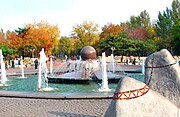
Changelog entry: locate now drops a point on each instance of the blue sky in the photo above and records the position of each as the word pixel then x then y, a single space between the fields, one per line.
pixel 67 13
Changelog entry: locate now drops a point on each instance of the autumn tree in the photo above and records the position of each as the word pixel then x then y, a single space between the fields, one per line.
pixel 43 35
pixel 110 30
pixel 16 43
pixel 2 35
pixel 139 27
pixel 34 37
pixel 21 36
pixel 8 52
pixel 85 34
pixel 139 34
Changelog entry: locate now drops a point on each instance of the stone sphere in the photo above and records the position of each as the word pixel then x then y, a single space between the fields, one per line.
pixel 88 52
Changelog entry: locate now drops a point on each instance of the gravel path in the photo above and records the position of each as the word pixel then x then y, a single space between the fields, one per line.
pixel 25 107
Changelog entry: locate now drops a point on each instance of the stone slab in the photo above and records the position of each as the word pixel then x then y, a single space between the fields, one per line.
pixel 162 74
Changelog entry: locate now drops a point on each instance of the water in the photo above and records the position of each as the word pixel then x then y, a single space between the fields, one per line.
pixel 22 68
pixel 51 66
pixel 104 86
pixel 3 71
pixel 137 76
pixel 43 70
pixel 30 84
pixel 112 62
pixel 143 66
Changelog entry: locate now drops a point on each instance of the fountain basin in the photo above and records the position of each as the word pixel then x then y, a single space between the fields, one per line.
pixel 79 77
pixel 30 85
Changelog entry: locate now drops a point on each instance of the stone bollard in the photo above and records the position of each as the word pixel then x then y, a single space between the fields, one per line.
pixel 162 74
pixel 133 98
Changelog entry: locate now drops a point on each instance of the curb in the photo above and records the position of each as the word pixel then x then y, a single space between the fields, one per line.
pixel 55 96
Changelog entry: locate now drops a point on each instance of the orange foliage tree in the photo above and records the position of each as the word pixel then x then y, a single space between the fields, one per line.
pixel 110 30
pixel 34 37
pixel 15 42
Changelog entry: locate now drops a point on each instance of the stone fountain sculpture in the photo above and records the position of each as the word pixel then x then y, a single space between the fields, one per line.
pixel 85 69
pixel 162 74
pixel 158 97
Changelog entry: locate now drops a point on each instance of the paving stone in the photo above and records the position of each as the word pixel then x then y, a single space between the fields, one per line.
pixel 23 107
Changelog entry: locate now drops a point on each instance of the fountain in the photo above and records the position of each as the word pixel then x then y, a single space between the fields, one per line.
pixel 143 66
pixel 42 79
pixel 112 63
pixel 104 86
pixel 3 71
pixel 72 74
pixel 85 70
pixel 177 61
pixel 22 68
pixel 51 66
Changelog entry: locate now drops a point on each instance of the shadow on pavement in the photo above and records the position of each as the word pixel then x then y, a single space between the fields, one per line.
pixel 64 114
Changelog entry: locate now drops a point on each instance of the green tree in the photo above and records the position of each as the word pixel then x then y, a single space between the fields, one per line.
pixel 105 45
pixel 165 23
pixel 143 20
pixel 164 26
pixel 176 37
pixel 139 27
pixel 65 45
pixel 86 34
pixel 125 46
pixel 7 52
pixel 175 12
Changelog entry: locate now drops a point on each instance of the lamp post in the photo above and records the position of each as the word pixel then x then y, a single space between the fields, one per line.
pixel 32 50
pixel 112 48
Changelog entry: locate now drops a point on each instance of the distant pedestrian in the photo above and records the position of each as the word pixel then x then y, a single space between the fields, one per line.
pixel 54 59
pixel 127 62
pixel 13 64
pixel 6 64
pixel 66 58
pixel 36 63
pixel 73 57
pixel 134 61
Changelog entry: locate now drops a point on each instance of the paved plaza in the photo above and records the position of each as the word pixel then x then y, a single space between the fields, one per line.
pixel 26 107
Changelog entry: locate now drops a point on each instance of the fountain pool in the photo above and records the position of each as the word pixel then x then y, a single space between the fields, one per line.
pixel 30 84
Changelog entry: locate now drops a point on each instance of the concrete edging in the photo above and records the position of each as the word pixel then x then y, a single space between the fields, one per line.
pixel 42 95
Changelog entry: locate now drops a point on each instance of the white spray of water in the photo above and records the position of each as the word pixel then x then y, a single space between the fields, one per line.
pixel 43 70
pixel 22 68
pixel 112 62
pixel 51 66
pixel 143 66
pixel 3 71
pixel 104 86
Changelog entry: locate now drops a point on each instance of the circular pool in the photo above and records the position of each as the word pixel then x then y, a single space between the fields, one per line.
pixel 30 84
